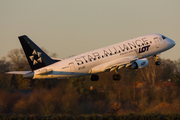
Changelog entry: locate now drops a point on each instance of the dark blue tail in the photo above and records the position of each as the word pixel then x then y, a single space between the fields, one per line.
pixel 36 57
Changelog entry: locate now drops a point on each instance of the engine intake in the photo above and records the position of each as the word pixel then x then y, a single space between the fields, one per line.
pixel 139 64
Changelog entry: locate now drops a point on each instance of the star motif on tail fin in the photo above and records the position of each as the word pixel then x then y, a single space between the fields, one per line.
pixel 35 57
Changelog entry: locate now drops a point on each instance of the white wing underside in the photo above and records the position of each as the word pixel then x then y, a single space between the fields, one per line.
pixel 122 62
pixel 115 64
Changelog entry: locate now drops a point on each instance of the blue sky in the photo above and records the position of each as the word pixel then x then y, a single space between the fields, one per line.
pixel 71 27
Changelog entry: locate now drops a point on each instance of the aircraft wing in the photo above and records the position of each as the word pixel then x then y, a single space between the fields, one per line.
pixel 115 64
pixel 119 63
pixel 122 62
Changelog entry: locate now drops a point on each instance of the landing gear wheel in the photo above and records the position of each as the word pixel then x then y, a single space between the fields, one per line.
pixel 116 77
pixel 157 62
pixel 94 77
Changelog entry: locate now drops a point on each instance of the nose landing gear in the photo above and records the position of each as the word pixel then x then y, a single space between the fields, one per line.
pixel 116 77
pixel 157 62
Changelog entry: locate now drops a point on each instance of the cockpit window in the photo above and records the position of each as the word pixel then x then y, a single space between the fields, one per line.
pixel 163 37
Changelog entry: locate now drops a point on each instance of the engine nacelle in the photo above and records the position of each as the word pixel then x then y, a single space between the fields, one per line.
pixel 139 64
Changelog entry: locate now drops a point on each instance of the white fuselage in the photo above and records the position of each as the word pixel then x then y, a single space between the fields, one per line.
pixel 100 60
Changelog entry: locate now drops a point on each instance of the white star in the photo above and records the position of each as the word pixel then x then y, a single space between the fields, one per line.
pixel 31 57
pixel 39 60
pixel 34 52
pixel 35 62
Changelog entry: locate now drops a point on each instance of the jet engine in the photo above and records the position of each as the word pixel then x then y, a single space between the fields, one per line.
pixel 139 64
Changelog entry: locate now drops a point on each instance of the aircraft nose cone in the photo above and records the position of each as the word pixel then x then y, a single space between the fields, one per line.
pixel 172 43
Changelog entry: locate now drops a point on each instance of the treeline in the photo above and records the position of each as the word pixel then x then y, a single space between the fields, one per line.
pixel 94 117
pixel 152 90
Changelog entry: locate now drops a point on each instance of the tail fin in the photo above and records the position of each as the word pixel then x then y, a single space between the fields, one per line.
pixel 36 57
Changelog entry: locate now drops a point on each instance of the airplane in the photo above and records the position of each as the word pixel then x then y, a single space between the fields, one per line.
pixel 131 53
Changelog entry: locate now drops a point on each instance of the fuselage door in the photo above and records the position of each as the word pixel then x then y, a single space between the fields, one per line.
pixel 71 66
pixel 157 42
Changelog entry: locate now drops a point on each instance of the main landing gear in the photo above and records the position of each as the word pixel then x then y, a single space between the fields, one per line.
pixel 116 76
pixel 156 60
pixel 94 77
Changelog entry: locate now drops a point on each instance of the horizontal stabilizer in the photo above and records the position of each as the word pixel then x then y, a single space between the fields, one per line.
pixel 18 72
pixel 57 59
